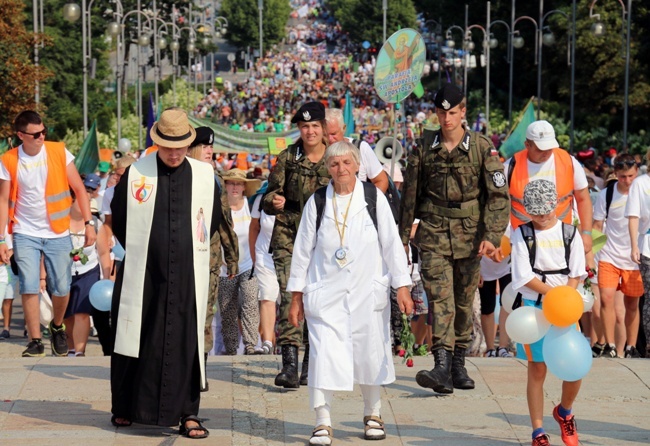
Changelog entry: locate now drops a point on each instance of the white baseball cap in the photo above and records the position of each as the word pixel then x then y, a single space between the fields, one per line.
pixel 542 134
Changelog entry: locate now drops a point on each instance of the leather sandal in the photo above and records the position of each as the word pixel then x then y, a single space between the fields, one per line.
pixel 367 428
pixel 185 431
pixel 125 422
pixel 322 427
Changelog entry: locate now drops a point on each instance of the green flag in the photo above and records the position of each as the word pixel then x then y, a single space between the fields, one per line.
pixel 515 141
pixel 88 157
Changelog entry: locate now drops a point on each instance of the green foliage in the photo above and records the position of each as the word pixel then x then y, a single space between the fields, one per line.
pixel 74 138
pixel 243 21
pixel 186 96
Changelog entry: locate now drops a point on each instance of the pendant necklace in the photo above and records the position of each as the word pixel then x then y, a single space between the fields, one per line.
pixel 341 253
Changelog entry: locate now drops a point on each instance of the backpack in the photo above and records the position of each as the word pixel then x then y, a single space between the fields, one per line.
pixel 392 193
pixel 528 233
pixel 609 195
pixel 369 192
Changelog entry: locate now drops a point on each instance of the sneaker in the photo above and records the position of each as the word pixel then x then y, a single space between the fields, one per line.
pixel 503 352
pixel 609 352
pixel 491 353
pixel 59 341
pixel 568 428
pixel 6 335
pixel 630 351
pixel 249 350
pixel 93 332
pixel 542 440
pixel 34 349
pixel 597 350
pixel 267 347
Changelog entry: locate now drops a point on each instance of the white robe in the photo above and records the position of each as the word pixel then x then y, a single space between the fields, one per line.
pixel 347 309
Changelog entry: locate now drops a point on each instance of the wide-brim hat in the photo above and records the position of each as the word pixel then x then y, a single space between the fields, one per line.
pixel 172 130
pixel 252 185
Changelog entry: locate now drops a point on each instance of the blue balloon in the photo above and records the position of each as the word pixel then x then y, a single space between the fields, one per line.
pixel 567 353
pixel 365 44
pixel 101 295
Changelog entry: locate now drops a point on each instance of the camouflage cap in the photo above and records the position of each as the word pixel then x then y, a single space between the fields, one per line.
pixel 540 197
pixel 448 97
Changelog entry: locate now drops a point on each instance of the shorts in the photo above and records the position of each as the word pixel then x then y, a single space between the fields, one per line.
pixel 58 264
pixel 488 293
pixel 628 281
pixel 269 288
pixel 420 301
pixel 9 290
pixel 79 302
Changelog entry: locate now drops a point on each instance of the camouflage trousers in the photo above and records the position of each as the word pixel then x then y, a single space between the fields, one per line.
pixel 213 292
pixel 450 285
pixel 288 334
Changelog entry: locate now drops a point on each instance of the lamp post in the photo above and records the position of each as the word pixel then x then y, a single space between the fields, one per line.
pixel 493 43
pixel 220 29
pixel 438 40
pixel 486 48
pixel 191 48
pixel 260 7
pixel 37 6
pixel 452 44
pixel 598 29
pixel 384 8
pixel 517 42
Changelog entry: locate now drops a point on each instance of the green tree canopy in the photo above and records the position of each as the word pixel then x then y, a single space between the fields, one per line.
pixel 243 21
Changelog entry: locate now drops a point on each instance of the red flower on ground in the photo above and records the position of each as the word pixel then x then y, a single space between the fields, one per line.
pixel 409 362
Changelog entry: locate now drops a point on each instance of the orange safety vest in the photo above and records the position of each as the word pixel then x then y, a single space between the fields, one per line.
pixel 242 161
pixel 151 149
pixel 563 182
pixel 57 189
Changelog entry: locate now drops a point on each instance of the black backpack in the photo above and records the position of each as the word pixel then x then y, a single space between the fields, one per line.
pixel 392 193
pixel 369 192
pixel 528 233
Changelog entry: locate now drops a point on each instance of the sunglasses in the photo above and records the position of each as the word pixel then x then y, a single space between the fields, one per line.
pixel 624 164
pixel 36 135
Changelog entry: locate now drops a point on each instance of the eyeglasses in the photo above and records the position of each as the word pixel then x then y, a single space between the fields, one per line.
pixel 36 135
pixel 624 164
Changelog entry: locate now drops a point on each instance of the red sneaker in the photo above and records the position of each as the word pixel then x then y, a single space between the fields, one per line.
pixel 542 440
pixel 568 428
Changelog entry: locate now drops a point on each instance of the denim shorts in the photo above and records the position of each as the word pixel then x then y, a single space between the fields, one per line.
pixel 58 264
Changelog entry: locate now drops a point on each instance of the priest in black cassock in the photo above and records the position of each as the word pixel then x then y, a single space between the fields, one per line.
pixel 165 210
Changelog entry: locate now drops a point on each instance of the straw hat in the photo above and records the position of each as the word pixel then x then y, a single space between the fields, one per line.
pixel 252 185
pixel 172 130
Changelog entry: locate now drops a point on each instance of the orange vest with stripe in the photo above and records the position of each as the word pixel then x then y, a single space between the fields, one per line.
pixel 57 190
pixel 563 182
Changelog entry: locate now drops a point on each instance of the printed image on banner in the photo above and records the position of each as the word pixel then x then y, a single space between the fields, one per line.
pixel 400 64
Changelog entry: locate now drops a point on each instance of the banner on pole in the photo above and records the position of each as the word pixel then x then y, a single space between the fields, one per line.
pixel 88 157
pixel 515 141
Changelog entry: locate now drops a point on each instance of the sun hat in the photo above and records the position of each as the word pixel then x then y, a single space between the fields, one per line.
pixel 172 130
pixel 543 135
pixel 540 197
pixel 252 185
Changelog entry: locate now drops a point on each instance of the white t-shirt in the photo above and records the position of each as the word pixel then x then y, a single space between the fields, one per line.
pixel 242 222
pixel 397 174
pixel 370 166
pixel 491 270
pixel 31 213
pixel 106 201
pixel 638 205
pixel 549 256
pixel 262 256
pixel 617 249
pixel 546 171
pixel 78 240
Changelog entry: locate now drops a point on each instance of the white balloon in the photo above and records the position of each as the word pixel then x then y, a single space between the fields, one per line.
pixel 587 297
pixel 527 325
pixel 508 297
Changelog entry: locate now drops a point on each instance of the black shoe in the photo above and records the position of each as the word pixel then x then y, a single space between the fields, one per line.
pixel 609 352
pixel 597 350
pixel 288 376
pixel 34 349
pixel 5 334
pixel 459 374
pixel 59 340
pixel 632 352
pixel 304 370
pixel 439 378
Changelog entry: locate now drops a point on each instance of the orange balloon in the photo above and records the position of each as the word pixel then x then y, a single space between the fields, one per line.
pixel 562 306
pixel 506 247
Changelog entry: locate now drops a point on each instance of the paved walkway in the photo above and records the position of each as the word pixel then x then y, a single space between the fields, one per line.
pixel 67 401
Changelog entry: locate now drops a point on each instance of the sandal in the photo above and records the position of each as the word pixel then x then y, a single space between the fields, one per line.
pixel 185 431
pixel 318 435
pixel 367 428
pixel 125 422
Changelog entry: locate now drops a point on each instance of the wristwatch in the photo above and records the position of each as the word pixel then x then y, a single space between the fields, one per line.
pixel 90 222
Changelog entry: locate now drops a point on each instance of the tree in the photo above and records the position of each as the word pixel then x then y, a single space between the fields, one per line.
pixel 243 21
pixel 363 19
pixel 18 74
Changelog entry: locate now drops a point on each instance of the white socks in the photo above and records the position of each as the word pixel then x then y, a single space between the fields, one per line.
pixel 372 407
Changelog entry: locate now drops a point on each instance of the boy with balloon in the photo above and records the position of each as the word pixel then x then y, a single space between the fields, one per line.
pixel 544 326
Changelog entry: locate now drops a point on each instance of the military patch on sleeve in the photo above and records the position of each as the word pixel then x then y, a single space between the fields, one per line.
pixel 499 179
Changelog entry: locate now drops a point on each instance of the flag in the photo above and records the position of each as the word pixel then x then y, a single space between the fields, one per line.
pixel 88 157
pixel 348 116
pixel 151 118
pixel 418 91
pixel 515 141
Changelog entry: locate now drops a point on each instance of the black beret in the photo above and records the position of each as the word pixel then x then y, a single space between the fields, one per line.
pixel 204 135
pixel 448 97
pixel 311 111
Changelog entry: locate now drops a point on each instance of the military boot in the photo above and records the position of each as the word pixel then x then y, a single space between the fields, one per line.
pixel 458 371
pixel 288 376
pixel 304 371
pixel 439 378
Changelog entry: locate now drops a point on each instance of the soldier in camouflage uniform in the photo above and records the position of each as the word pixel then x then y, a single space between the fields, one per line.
pixel 225 236
pixel 299 171
pixel 455 185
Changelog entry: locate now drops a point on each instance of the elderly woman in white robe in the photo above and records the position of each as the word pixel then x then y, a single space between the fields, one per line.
pixel 341 274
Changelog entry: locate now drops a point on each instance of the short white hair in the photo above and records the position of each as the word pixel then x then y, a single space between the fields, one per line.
pixel 342 148
pixel 335 115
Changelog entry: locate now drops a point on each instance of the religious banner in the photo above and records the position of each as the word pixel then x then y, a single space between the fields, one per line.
pixel 400 64
pixel 277 144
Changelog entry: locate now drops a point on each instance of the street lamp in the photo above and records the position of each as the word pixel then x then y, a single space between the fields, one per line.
pixel 438 39
pixel 494 43
pixel 451 43
pixel 598 28
pixel 260 7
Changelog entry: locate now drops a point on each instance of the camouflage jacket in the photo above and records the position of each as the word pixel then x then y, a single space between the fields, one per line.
pixel 460 196
pixel 224 238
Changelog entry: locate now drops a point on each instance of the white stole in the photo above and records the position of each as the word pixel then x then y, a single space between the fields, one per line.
pixel 141 200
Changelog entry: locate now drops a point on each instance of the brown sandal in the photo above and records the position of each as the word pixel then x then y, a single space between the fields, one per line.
pixel 366 428
pixel 322 427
